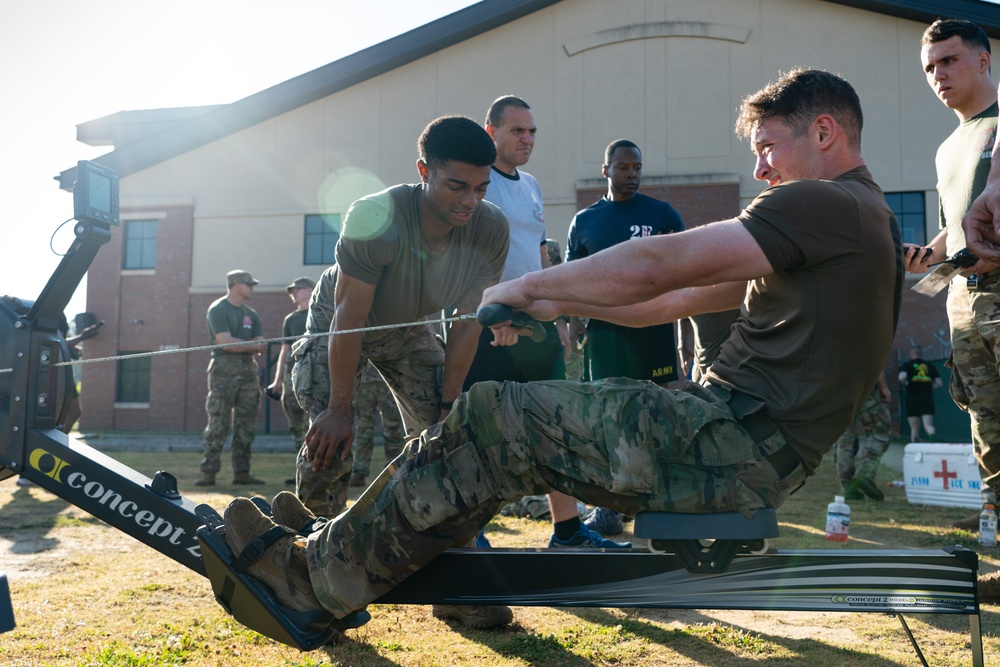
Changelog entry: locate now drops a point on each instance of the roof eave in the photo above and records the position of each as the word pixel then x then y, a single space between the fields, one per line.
pixel 985 14
pixel 311 86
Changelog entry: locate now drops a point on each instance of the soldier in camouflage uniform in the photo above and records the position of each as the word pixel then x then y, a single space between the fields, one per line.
pixel 380 280
pixel 372 399
pixel 860 449
pixel 771 405
pixel 294 324
pixel 233 387
pixel 411 360
pixel 404 255
pixel 955 55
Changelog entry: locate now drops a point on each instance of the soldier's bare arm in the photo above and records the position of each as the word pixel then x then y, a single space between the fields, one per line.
pixel 331 434
pixel 641 270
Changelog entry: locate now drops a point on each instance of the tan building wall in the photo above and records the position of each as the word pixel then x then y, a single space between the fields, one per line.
pixel 668 74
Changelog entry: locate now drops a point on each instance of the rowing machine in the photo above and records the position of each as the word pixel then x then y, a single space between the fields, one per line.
pixel 705 564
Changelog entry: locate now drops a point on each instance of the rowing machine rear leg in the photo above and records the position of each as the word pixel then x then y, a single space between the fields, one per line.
pixel 254 604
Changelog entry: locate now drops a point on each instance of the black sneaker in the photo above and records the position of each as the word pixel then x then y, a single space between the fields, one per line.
pixel 587 539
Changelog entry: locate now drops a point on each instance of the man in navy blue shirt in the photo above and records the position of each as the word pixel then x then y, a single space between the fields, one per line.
pixel 623 213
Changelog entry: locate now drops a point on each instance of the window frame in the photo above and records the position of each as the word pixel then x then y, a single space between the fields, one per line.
pixel 322 231
pixel 907 219
pixel 144 263
pixel 137 368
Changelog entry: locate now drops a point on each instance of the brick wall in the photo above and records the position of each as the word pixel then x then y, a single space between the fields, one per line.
pixel 152 311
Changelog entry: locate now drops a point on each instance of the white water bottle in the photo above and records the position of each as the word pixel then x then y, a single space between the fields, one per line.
pixel 988 526
pixel 838 520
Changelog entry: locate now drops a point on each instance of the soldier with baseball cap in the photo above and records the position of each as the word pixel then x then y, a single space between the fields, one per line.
pixel 294 324
pixel 233 390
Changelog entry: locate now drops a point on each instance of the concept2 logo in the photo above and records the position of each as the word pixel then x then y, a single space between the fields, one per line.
pixel 113 504
pixel 47 464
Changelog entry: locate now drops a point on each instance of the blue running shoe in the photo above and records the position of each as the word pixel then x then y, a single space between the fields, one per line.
pixel 587 539
pixel 604 521
pixel 482 542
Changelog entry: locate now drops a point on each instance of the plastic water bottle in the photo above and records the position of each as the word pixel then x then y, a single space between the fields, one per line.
pixel 838 520
pixel 988 526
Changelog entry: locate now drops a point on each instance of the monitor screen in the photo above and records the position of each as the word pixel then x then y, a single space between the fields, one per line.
pixel 100 192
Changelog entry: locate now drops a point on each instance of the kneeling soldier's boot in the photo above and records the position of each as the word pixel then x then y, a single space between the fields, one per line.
pixel 207 479
pixel 244 477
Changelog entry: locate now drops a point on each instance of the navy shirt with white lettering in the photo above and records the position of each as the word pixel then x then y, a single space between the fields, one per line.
pixel 607 223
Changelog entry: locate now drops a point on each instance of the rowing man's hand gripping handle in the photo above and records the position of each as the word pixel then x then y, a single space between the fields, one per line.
pixel 497 312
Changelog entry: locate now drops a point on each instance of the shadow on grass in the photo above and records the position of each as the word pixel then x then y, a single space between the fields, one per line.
pixel 27 520
pixel 531 648
pixel 710 647
pixel 349 652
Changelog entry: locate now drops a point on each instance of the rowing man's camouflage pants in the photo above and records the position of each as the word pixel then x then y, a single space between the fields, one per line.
pixel 973 316
pixel 411 361
pixel 869 435
pixel 627 445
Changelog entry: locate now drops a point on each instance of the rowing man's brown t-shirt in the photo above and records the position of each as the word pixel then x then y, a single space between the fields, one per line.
pixel 812 337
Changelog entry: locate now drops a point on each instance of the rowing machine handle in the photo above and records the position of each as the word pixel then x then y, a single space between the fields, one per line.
pixel 498 312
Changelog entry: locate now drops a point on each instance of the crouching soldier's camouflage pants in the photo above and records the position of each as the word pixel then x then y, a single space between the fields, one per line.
pixel 411 361
pixel 627 445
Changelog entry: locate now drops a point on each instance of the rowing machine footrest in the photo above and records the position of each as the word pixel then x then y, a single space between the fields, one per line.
pixel 706 542
pixel 253 604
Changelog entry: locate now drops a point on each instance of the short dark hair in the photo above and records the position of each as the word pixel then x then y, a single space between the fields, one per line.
pixel 494 115
pixel 615 145
pixel 797 98
pixel 456 138
pixel 972 35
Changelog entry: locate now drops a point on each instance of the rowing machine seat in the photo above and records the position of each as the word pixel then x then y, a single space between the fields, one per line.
pixel 706 542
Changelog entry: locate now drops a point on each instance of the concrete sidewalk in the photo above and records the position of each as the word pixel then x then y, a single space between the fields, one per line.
pixel 127 441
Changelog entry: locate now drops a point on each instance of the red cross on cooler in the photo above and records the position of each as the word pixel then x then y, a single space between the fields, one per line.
pixel 943 474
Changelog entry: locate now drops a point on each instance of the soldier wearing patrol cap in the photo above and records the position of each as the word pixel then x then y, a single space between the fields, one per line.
pixel 294 324
pixel 233 389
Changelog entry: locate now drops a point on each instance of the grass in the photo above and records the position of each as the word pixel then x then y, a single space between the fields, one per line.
pixel 87 595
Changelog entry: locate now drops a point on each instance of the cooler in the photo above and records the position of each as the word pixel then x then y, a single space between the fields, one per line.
pixel 942 474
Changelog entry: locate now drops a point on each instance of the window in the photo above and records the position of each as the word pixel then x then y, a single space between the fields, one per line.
pixel 133 379
pixel 140 244
pixel 911 214
pixel 321 234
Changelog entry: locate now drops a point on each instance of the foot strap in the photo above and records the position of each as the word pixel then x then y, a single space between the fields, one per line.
pixel 313 526
pixel 254 550
pixel 251 602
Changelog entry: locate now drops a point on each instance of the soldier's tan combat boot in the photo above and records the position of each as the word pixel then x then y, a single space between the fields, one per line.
pixel 288 511
pixel 282 567
pixel 245 477
pixel 207 479
pixel 475 616
pixel 989 586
